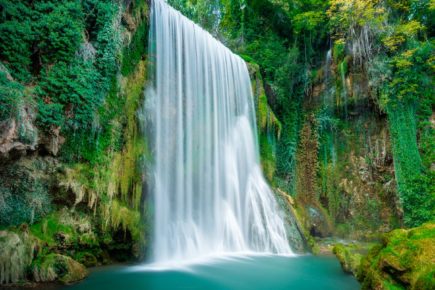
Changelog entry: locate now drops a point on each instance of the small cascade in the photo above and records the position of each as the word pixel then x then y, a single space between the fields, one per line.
pixel 209 193
pixel 329 89
pixel 344 92
pixel 328 148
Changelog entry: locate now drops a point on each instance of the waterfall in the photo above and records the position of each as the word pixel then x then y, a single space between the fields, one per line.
pixel 208 190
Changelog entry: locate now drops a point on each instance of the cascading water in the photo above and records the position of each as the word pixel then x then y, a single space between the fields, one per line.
pixel 209 192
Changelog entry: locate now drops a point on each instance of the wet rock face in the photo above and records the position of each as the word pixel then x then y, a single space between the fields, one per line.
pixel 318 223
pixel 52 141
pixel 18 134
pixel 55 267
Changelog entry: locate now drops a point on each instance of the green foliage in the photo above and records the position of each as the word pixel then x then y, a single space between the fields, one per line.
pixel 108 45
pixel 47 229
pixel 406 97
pixel 16 37
pixel 203 12
pixel 268 52
pixel 11 94
pixel 73 89
pixel 91 143
pixel 339 50
pixel 50 36
pixel 418 199
pixel 308 21
pixel 286 151
pixel 136 50
pixel 346 14
pixel 59 29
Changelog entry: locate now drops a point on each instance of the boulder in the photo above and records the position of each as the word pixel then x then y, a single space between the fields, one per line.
pixel 56 267
pixel 349 257
pixel 404 260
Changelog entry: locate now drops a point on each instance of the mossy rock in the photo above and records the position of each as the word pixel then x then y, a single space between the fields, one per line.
pixel 65 230
pixel 348 257
pixel 86 258
pixel 404 260
pixel 55 267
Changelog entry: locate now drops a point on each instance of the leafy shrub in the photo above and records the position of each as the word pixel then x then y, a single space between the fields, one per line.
pixel 11 93
pixel 418 199
pixel 59 29
pixel 69 95
pixel 16 37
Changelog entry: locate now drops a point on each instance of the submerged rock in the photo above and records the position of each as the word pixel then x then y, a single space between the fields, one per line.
pixel 55 267
pixel 404 260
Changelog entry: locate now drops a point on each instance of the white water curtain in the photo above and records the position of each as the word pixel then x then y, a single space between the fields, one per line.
pixel 208 190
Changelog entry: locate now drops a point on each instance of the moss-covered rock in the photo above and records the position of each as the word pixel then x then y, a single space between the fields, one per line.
pixel 86 258
pixel 55 267
pixel 349 257
pixel 64 229
pixel 404 260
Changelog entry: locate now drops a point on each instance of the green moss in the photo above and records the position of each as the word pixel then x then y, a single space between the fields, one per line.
pixel 55 267
pixel 111 184
pixel 425 280
pixel 349 257
pixel 48 227
pixel 315 249
pixel 404 260
pixel 66 231
pixel 268 125
pixel 86 258
pixel 125 218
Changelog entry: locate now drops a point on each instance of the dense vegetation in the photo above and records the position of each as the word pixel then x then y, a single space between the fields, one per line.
pixel 72 75
pixel 60 59
pixel 384 47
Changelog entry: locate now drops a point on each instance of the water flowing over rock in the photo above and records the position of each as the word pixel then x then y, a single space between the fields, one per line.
pixel 209 193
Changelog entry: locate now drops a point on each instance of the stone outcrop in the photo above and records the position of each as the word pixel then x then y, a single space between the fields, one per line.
pixel 349 257
pixel 55 267
pixel 404 260
pixel 18 134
